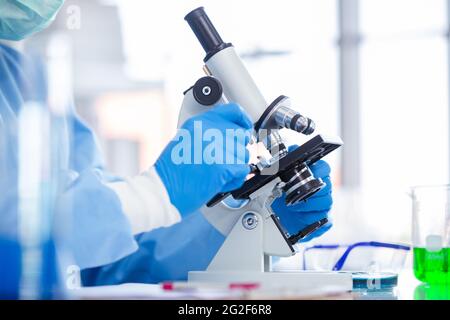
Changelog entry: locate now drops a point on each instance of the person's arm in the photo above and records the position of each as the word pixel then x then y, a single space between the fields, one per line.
pixel 164 254
pixel 106 208
pixel 177 186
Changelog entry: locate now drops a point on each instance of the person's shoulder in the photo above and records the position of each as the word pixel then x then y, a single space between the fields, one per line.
pixel 6 49
pixel 9 55
pixel 27 62
pixel 24 71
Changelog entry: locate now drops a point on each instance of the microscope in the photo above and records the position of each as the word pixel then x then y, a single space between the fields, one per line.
pixel 244 216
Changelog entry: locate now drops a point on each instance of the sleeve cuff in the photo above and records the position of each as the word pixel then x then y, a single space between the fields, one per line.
pixel 145 202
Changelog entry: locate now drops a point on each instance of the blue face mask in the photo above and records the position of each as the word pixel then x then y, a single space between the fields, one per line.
pixel 21 18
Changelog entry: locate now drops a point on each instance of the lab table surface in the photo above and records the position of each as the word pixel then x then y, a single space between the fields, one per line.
pixel 408 288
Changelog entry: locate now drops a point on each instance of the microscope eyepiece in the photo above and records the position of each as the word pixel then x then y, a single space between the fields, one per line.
pixel 205 32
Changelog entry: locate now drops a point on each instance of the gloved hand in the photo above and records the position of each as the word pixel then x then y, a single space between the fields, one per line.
pixel 295 218
pixel 208 159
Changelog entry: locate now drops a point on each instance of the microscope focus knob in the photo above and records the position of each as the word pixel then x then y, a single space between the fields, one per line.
pixel 207 91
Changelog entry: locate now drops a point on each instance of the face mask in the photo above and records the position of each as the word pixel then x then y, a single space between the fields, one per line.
pixel 21 18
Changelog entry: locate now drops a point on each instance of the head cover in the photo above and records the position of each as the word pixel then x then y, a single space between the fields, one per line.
pixel 21 18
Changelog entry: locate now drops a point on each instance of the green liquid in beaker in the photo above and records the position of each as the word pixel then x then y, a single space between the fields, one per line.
pixel 432 267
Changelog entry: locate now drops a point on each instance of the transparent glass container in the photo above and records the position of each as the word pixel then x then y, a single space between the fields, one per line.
pixel 431 233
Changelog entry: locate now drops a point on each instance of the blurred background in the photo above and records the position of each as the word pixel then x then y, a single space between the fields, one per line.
pixel 375 73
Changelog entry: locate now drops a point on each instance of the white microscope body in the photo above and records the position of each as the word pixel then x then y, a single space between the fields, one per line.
pixel 253 233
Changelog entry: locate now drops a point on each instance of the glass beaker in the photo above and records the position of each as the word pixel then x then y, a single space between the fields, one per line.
pixel 431 233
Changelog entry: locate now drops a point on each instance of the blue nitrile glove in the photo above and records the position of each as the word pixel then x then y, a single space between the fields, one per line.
pixel 297 217
pixel 204 159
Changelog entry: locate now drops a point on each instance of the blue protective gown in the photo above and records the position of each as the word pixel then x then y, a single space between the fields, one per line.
pixel 163 254
pixel 100 236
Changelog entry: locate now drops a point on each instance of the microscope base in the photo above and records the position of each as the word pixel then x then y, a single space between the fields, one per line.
pixel 298 280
